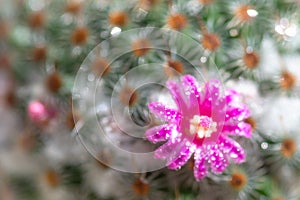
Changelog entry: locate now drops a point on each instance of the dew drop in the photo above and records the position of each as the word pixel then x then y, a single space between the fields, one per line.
pixel 203 59
pixel 91 77
pixel 115 31
pixel 264 145
pixel 233 33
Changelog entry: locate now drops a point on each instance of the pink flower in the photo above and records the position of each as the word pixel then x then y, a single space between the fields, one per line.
pixel 39 113
pixel 202 124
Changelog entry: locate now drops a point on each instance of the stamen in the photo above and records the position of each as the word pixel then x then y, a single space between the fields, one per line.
pixel 203 126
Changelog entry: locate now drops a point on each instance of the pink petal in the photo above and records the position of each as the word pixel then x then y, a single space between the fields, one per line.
pixel 212 90
pixel 200 168
pixel 218 160
pixel 212 101
pixel 166 150
pixel 181 155
pixel 231 147
pixel 232 96
pixel 161 111
pixel 192 89
pixel 241 129
pixel 160 133
pixel 238 113
pixel 177 94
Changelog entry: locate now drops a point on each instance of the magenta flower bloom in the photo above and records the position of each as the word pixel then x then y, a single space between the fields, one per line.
pixel 202 124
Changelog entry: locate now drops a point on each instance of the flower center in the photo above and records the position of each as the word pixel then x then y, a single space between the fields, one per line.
pixel 203 126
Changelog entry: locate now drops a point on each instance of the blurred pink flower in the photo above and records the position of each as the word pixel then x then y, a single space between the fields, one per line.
pixel 39 113
pixel 201 125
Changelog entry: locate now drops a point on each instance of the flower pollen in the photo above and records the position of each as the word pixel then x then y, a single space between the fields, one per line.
pixel 203 126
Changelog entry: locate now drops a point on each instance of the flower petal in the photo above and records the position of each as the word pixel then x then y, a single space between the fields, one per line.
pixel 232 96
pixel 218 160
pixel 238 112
pixel 212 100
pixel 192 89
pixel 241 129
pixel 167 149
pixel 177 94
pixel 160 133
pixel 161 111
pixel 214 103
pixel 200 168
pixel 181 156
pixel 212 90
pixel 234 149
